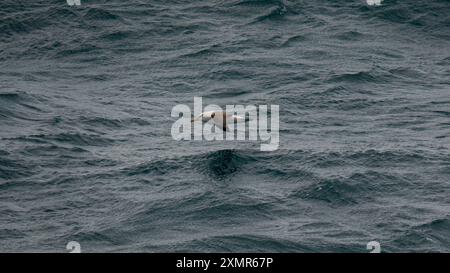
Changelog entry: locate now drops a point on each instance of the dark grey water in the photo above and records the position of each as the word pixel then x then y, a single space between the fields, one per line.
pixel 86 152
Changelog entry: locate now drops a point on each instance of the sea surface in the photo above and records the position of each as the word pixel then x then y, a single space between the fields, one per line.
pixel 86 152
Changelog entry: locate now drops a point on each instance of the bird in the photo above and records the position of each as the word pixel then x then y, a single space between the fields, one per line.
pixel 220 118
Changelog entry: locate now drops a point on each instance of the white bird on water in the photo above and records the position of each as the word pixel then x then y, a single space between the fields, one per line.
pixel 220 118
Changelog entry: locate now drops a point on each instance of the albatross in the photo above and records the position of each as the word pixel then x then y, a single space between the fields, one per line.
pixel 220 118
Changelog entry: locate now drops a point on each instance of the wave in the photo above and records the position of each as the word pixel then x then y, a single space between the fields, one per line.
pixel 203 52
pixel 13 169
pixel 43 24
pixel 222 164
pixel 218 164
pixel 243 243
pixel 274 13
pixel 294 40
pixel 78 139
pixel 100 14
pixel 351 35
pixel 358 77
pixel 354 189
pixel 32 18
pixel 431 16
pixel 22 106
pixel 431 236
pixel 118 35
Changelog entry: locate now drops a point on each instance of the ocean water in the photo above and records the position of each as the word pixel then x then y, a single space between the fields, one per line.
pixel 86 152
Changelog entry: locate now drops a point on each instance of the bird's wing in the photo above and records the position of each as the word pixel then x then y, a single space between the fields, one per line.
pixel 220 120
pixel 204 117
pixel 237 118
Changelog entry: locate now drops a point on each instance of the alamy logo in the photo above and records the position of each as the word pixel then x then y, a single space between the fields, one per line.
pixel 74 247
pixel 374 246
pixel 213 122
pixel 74 2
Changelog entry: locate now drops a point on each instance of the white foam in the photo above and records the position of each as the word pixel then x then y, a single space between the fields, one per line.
pixel 374 2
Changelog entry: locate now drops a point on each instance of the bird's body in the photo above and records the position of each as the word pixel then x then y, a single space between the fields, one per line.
pixel 220 118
